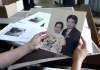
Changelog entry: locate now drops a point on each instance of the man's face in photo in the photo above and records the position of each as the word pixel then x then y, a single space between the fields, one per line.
pixel 70 23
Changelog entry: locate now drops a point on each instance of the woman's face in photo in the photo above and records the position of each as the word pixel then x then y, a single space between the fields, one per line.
pixel 70 23
pixel 58 28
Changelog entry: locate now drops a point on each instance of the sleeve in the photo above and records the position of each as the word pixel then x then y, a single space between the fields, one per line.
pixel 63 33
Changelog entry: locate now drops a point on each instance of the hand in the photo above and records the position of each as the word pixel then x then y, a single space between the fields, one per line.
pixel 80 52
pixel 79 55
pixel 35 43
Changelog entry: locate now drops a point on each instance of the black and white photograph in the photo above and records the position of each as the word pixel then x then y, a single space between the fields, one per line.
pixel 15 32
pixel 36 19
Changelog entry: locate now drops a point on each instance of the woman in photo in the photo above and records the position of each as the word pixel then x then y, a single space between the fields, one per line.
pixel 54 41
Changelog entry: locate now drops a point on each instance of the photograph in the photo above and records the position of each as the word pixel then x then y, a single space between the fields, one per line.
pixel 65 36
pixel 15 32
pixel 36 19
pixel 67 32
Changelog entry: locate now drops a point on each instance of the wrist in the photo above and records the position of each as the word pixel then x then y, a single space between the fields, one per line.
pixel 30 46
pixel 76 65
pixel 78 62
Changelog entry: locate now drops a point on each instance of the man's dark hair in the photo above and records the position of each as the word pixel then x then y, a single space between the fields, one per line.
pixel 61 23
pixel 74 17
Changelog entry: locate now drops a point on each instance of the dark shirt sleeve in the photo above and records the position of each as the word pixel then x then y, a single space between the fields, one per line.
pixel 64 32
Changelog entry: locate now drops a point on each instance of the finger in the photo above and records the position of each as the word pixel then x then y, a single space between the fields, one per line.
pixel 82 43
pixel 43 36
pixel 41 33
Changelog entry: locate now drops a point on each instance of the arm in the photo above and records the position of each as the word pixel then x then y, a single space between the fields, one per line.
pixel 11 56
pixel 79 55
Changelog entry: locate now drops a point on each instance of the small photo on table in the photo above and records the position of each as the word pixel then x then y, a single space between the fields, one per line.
pixel 15 32
pixel 36 19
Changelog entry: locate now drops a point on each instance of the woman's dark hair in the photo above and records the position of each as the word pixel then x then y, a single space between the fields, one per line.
pixel 74 17
pixel 61 23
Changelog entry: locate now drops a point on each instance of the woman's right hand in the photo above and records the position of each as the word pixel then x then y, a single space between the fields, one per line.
pixel 80 52
pixel 79 55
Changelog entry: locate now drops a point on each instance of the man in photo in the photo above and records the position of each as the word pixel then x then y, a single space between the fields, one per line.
pixel 71 35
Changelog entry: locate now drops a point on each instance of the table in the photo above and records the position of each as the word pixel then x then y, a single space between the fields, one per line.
pixel 52 57
pixel 36 57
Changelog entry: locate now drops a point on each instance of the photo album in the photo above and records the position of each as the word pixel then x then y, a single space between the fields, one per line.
pixel 22 31
pixel 64 28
